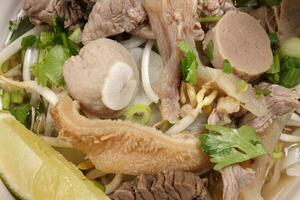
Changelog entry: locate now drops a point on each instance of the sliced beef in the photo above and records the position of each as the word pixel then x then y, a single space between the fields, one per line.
pixel 171 22
pixel 279 102
pixel 163 186
pixel 289 23
pixel 75 12
pixel 111 17
pixel 235 178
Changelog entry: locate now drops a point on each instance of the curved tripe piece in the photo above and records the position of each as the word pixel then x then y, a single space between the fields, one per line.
pixel 240 38
pixel 125 147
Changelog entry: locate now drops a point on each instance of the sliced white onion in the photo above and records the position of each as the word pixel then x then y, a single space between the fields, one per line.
pixel 30 58
pixel 45 92
pixel 56 142
pixel 114 184
pixel 15 46
pixel 133 42
pixel 145 73
pixel 4 193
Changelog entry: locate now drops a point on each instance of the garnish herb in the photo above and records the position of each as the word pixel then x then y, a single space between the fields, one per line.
pixel 22 113
pixel 242 86
pixel 188 63
pixel 209 51
pixel 17 96
pixel 139 113
pixel 227 67
pixel 227 146
pixel 55 47
pixel 274 40
pixel 262 92
pixel 6 100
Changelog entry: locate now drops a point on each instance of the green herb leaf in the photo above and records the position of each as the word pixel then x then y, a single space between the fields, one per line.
pixel 47 39
pixel 30 41
pixel 290 72
pixel 242 86
pixel 50 70
pixel 227 146
pixel 17 96
pixel 188 63
pixel 262 92
pixel 22 113
pixel 6 100
pixel 227 67
pixel 209 51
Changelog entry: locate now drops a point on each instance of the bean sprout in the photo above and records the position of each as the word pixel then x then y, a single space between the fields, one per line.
pixel 189 119
pixel 48 94
pixel 133 42
pixel 30 58
pixel 145 73
pixel 15 46
pixel 114 184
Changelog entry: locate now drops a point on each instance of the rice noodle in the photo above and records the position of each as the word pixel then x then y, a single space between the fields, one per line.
pixel 30 58
pixel 114 184
pixel 48 94
pixel 133 42
pixel 145 73
pixel 15 46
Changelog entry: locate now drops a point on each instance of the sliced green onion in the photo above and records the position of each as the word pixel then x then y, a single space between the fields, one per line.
pixel 210 19
pixel 17 96
pixel 76 36
pixel 275 67
pixel 290 78
pixel 209 51
pixel 139 113
pixel 6 100
pixel 262 92
pixel 274 40
pixel 242 86
pixel 227 67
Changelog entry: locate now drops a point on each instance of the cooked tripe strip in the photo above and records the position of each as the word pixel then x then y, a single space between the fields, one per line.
pixel 125 147
pixel 241 40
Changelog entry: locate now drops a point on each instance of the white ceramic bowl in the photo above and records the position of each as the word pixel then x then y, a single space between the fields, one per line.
pixel 9 9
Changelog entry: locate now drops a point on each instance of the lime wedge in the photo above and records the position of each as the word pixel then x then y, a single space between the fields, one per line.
pixel 33 170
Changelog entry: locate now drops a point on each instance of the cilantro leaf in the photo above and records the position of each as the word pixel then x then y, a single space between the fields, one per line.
pixel 227 146
pixel 22 113
pixel 50 69
pixel 188 63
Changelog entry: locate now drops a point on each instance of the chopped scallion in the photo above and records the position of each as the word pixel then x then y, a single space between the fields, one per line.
pixel 242 86
pixel 209 51
pixel 17 96
pixel 30 41
pixel 99 185
pixel 227 67
pixel 262 92
pixel 140 113
pixel 6 100
pixel 47 38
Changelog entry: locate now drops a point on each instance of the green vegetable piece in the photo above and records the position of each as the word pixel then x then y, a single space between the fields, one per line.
pixel 277 153
pixel 290 48
pixel 227 67
pixel 210 19
pixel 47 38
pixel 17 96
pixel 274 40
pixel 140 113
pixel 290 72
pixel 50 70
pixel 99 185
pixel 227 146
pixel 30 41
pixel 242 86
pixel 188 63
pixel 262 92
pixel 22 113
pixel 6 100
pixel 76 36
pixel 275 67
pixel 209 51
